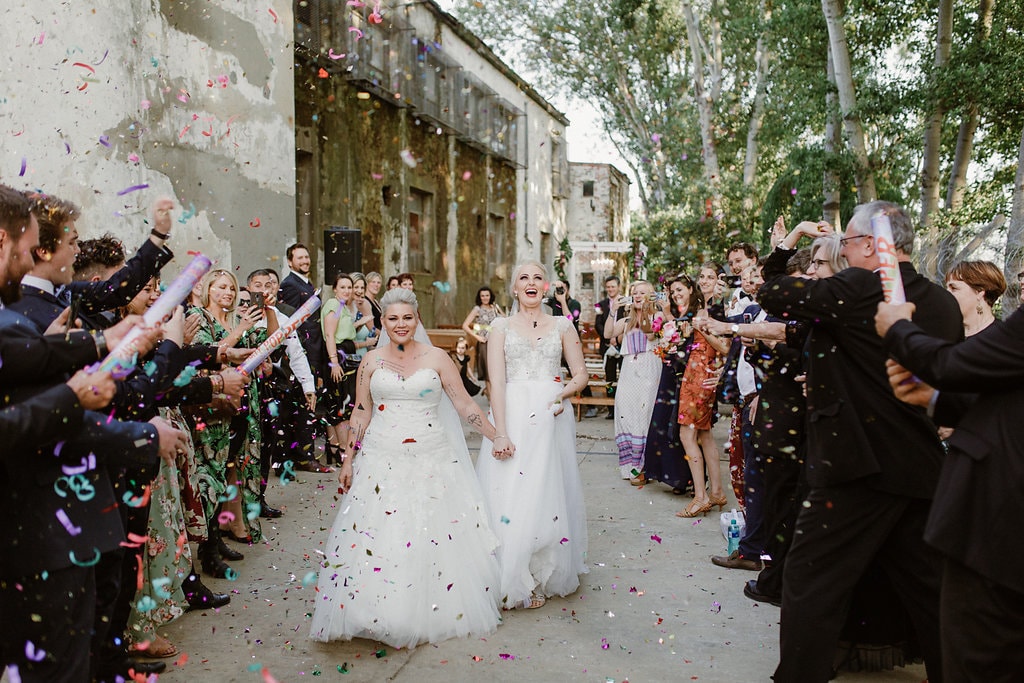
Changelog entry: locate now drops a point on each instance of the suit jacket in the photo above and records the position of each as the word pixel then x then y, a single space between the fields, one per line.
pixel 294 292
pixel 39 306
pixel 603 311
pixel 94 298
pixel 856 428
pixel 57 502
pixel 978 501
pixel 46 418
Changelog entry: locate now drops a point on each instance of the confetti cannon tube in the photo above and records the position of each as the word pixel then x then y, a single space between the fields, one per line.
pixel 889 267
pixel 273 341
pixel 122 358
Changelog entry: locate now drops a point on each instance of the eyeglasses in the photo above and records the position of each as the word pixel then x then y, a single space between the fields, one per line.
pixel 245 302
pixel 844 240
pixel 819 262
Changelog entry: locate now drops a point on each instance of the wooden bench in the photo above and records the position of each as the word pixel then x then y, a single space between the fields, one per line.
pixel 598 385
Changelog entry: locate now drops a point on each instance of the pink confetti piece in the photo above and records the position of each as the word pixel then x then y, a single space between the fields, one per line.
pixel 85 66
pixel 145 104
pixel 332 55
pixel 133 157
pixel 506 655
pixel 656 538
pixel 183 95
pixel 563 541
pixel 273 14
pixel 353 29
pixel 132 188
pixel 41 38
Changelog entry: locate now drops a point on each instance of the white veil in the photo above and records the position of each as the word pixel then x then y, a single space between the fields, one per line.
pixel 450 420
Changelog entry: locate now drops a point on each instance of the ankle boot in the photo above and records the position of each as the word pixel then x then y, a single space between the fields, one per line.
pixel 227 553
pixel 199 595
pixel 209 555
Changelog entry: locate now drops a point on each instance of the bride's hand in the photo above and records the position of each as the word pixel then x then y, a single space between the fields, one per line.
pixel 345 476
pixel 557 406
pixel 504 452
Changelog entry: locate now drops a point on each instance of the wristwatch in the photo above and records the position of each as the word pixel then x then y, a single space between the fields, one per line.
pixel 735 329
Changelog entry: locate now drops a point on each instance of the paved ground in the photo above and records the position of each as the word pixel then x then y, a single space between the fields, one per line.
pixel 653 608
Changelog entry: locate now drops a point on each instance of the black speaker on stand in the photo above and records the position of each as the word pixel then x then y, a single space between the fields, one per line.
pixel 343 253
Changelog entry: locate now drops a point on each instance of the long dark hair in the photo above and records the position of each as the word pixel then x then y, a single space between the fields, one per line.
pixel 696 300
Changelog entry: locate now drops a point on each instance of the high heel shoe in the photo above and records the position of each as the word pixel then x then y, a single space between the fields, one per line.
pixel 721 501
pixel 332 454
pixel 199 595
pixel 694 509
pixel 247 539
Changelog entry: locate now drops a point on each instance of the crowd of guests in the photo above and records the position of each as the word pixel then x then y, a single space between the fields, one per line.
pixel 848 416
pixel 173 455
pixel 834 459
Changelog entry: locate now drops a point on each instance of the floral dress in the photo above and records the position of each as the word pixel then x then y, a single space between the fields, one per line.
pixel 212 438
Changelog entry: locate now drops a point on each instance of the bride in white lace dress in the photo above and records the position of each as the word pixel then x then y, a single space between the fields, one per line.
pixel 410 558
pixel 534 496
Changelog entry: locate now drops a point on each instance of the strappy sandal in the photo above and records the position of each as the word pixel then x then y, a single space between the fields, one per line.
pixel 157 648
pixel 694 509
pixel 534 602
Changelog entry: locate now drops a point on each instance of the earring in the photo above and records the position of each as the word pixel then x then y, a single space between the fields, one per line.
pixel 980 309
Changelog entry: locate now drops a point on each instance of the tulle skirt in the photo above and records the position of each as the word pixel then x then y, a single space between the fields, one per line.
pixel 535 498
pixel 410 558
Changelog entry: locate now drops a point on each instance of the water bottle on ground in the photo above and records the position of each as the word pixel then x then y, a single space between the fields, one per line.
pixel 734 537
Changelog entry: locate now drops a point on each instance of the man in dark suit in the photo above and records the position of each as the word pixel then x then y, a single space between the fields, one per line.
pixel 978 500
pixel 612 289
pixel 872 460
pixel 296 288
pixel 60 512
pixel 48 288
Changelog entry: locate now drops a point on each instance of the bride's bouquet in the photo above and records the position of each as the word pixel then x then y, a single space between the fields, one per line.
pixel 667 337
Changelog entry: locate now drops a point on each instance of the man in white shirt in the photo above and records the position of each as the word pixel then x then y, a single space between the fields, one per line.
pixel 286 419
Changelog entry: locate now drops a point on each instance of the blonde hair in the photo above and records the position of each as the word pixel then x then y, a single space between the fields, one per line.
pixel 644 319
pixel 208 280
pixel 519 267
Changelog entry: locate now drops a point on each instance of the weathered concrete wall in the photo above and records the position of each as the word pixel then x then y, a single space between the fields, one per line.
pixel 375 157
pixel 194 100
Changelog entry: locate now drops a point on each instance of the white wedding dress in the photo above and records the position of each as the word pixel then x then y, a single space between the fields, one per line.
pixel 535 498
pixel 410 558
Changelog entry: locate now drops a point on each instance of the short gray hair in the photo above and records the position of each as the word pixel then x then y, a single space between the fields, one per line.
pixel 398 296
pixel 829 247
pixel 902 226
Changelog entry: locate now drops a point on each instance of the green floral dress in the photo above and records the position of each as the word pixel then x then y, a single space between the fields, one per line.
pixel 212 437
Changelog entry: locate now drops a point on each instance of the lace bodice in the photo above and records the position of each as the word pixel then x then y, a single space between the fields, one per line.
pixel 533 358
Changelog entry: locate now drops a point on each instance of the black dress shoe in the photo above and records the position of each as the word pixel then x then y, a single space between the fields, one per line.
pixel 313 466
pixel 200 596
pixel 750 590
pixel 229 553
pixel 268 512
pixel 123 668
pixel 146 667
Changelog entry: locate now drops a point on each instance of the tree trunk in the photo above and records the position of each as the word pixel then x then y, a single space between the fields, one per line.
pixel 705 114
pixel 969 124
pixel 1014 262
pixel 762 57
pixel 848 99
pixel 931 164
pixel 833 142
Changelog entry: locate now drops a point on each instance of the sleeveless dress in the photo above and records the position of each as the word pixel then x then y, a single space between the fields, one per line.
pixel 535 498
pixel 635 397
pixel 485 317
pixel 410 558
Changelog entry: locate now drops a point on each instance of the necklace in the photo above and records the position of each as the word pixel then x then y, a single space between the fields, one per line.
pixel 534 324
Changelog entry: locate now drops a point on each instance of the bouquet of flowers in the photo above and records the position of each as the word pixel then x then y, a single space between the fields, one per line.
pixel 668 335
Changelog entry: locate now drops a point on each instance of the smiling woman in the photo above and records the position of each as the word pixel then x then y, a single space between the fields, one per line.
pixel 410 500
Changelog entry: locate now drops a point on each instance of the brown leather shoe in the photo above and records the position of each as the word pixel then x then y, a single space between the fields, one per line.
pixel 736 561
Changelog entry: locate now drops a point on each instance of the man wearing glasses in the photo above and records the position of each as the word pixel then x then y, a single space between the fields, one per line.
pixel 872 462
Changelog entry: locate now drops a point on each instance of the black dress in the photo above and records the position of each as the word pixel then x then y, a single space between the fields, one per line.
pixel 664 457
pixel 471 387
